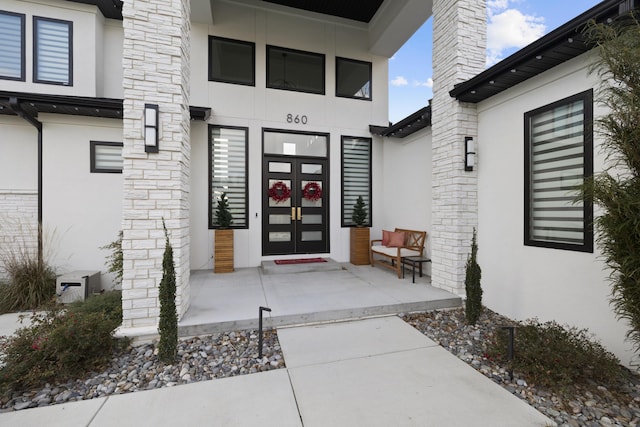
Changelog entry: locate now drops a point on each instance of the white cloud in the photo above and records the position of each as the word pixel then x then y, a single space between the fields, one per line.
pixel 509 28
pixel 399 81
pixel 426 83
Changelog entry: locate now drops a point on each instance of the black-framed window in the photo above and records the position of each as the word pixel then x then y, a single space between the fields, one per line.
pixel 229 172
pixel 12 46
pixel 52 51
pixel 106 157
pixel 353 79
pixel 295 70
pixel 232 61
pixel 356 176
pixel 558 157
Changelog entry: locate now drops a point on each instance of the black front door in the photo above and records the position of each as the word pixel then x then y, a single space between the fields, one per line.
pixel 294 205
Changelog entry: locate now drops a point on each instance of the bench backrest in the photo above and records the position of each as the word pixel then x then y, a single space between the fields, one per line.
pixel 413 239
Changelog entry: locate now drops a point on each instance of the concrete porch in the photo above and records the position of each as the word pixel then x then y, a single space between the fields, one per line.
pixel 303 293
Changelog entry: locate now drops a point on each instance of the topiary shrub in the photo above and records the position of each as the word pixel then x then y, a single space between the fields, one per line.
pixel 223 216
pixel 168 326
pixel 473 273
pixel 359 215
pixel 62 344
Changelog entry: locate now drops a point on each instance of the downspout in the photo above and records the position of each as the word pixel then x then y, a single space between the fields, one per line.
pixel 15 106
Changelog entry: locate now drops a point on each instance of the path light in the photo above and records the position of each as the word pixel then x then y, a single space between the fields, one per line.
pixel 151 128
pixel 469 153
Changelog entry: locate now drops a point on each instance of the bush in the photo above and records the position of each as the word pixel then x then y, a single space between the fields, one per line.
pixel 168 325
pixel 31 283
pixel 62 344
pixel 555 356
pixel 473 273
pixel 115 259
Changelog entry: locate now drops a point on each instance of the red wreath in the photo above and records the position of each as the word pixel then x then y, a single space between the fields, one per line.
pixel 279 192
pixel 312 191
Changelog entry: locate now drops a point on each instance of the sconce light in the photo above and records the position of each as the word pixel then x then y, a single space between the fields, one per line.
pixel 469 153
pixel 151 128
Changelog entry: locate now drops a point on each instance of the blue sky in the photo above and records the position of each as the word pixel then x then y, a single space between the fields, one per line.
pixel 511 25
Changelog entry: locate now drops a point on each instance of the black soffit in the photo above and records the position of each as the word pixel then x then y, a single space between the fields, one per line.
pixel 405 127
pixel 32 104
pixel 362 10
pixel 109 8
pixel 562 44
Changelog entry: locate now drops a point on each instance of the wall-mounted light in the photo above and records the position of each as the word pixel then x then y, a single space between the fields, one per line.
pixel 469 153
pixel 151 128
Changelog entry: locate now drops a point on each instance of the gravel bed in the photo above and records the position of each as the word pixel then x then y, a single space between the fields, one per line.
pixel 138 368
pixel 591 405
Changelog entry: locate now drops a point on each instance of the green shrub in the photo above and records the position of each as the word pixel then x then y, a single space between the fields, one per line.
pixel 62 344
pixel 168 325
pixel 473 304
pixel 115 259
pixel 554 356
pixel 31 283
pixel 359 213
pixel 223 215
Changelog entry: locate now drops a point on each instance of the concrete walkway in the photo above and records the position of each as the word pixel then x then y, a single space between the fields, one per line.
pixel 371 372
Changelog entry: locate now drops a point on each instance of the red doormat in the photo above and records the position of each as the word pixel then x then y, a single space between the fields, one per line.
pixel 299 261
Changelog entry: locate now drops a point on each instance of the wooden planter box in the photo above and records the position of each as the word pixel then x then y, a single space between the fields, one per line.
pixel 223 251
pixel 359 249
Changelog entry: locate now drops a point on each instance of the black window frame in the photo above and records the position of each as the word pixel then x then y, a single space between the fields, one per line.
pixel 321 56
pixel 587 206
pixel 92 153
pixel 35 51
pixel 355 61
pixel 212 225
pixel 238 42
pixel 22 17
pixel 347 211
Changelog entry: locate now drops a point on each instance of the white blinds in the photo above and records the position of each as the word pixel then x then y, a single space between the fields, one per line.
pixel 557 168
pixel 356 176
pixel 108 157
pixel 229 172
pixel 53 44
pixel 11 45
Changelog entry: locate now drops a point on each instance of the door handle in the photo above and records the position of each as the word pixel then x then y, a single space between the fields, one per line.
pixel 299 214
pixel 293 213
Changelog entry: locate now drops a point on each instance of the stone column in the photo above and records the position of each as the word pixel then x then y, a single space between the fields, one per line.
pixel 459 52
pixel 156 185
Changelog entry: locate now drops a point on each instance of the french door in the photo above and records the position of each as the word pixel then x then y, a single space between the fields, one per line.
pixel 294 205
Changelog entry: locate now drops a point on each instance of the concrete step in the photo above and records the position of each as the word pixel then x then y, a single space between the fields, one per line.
pixel 270 267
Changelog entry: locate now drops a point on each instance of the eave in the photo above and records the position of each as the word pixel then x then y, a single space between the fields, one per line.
pixel 405 127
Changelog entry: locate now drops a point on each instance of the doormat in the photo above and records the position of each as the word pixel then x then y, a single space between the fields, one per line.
pixel 299 261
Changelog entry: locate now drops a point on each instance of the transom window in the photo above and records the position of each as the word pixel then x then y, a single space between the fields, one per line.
pixel 228 166
pixel 231 61
pixel 106 157
pixel 52 50
pixel 12 46
pixel 356 177
pixel 353 79
pixel 295 70
pixel 558 158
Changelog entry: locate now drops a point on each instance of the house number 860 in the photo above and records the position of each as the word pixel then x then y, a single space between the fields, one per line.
pixel 296 119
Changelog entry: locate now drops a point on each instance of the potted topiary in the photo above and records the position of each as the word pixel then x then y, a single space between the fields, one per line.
pixel 223 241
pixel 359 235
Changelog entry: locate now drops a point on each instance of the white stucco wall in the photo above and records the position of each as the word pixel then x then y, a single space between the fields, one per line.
pixel 258 107
pixel 81 210
pixel 522 281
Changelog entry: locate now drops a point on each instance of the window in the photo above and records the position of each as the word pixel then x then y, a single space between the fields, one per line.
pixel 353 79
pixel 231 61
pixel 12 46
pixel 295 70
pixel 106 157
pixel 558 157
pixel 52 51
pixel 228 165
pixel 356 176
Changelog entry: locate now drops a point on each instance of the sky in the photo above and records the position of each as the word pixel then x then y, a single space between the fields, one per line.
pixel 511 25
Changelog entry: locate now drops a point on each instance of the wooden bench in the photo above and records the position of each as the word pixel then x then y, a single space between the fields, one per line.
pixel 391 256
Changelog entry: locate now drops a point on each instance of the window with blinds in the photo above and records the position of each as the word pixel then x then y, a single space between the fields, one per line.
pixel 106 157
pixel 52 45
pixel 559 156
pixel 356 177
pixel 12 46
pixel 229 173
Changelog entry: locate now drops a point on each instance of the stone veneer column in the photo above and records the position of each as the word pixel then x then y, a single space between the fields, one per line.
pixel 156 185
pixel 459 53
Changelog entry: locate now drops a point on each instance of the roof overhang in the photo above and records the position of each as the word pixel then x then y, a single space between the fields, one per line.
pixel 110 108
pixel 405 127
pixel 564 43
